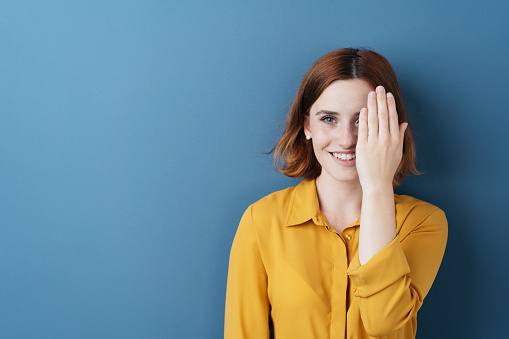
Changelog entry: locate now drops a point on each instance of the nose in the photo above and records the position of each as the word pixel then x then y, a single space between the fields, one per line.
pixel 346 136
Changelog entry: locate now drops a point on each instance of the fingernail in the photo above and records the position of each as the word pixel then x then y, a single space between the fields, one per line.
pixel 372 95
pixel 390 96
pixel 380 89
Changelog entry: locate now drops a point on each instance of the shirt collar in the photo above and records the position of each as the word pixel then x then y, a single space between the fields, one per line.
pixel 304 205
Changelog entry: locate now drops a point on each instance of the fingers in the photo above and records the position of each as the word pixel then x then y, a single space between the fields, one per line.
pixel 383 114
pixel 393 115
pixel 362 136
pixel 402 129
pixel 372 116
pixel 382 118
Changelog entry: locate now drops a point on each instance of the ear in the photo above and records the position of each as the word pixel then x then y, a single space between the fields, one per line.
pixel 307 131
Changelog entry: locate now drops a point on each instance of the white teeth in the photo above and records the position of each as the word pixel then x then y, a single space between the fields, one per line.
pixel 344 156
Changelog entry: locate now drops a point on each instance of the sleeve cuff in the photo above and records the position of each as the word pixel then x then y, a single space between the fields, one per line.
pixel 382 270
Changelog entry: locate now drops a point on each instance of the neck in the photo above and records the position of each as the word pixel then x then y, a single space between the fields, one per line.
pixel 340 201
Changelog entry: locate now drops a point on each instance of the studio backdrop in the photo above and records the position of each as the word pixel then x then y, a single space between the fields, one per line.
pixel 132 136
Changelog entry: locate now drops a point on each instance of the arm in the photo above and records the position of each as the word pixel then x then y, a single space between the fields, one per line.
pixel 391 287
pixel 247 305
pixel 379 152
pixel 391 275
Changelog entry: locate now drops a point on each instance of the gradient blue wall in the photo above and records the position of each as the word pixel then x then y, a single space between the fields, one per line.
pixel 130 134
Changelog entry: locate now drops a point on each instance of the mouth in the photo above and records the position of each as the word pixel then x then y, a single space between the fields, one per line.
pixel 343 156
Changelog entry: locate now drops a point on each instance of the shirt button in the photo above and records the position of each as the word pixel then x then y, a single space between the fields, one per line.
pixel 348 237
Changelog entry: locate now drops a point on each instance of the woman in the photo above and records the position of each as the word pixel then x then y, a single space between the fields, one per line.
pixel 339 255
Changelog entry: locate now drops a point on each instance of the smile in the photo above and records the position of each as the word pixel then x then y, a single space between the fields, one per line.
pixel 344 156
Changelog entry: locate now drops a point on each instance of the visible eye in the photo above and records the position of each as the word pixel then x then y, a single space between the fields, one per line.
pixel 357 122
pixel 328 119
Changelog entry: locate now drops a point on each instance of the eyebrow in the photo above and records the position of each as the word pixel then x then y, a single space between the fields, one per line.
pixel 324 111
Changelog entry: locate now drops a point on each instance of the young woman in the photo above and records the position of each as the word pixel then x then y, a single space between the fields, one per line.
pixel 339 255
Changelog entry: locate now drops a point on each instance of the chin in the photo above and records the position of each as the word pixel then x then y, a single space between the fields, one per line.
pixel 341 176
pixel 347 178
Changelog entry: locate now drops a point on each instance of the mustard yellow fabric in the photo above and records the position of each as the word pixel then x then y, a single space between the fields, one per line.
pixel 290 268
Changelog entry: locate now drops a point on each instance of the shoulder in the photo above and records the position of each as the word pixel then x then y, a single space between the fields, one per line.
pixel 292 205
pixel 263 221
pixel 406 203
pixel 273 205
pixel 413 214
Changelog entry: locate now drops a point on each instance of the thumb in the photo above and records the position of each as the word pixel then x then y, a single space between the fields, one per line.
pixel 402 128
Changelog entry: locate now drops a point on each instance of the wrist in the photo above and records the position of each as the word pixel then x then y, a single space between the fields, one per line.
pixel 378 190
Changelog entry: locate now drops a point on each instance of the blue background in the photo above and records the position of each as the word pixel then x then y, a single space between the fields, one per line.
pixel 130 140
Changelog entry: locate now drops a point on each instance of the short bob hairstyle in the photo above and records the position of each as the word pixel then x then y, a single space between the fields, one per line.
pixel 293 155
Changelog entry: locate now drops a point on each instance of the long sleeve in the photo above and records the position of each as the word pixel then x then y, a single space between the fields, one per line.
pixel 247 305
pixel 391 286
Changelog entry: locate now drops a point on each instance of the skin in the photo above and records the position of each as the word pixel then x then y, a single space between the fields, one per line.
pixel 352 117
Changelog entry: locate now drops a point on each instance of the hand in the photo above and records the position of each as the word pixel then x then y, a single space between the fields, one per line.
pixel 380 141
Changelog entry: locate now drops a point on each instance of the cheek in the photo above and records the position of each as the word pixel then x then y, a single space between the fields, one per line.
pixel 320 141
pixel 323 133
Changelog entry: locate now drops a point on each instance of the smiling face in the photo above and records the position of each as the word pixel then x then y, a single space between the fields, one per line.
pixel 332 125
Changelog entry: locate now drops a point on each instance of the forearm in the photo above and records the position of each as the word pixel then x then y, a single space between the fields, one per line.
pixel 378 221
pixel 392 285
pixel 383 288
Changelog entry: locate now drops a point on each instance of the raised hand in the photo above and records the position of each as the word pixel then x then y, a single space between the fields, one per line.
pixel 380 141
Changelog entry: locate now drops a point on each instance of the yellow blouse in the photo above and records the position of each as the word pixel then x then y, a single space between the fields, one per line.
pixel 293 275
